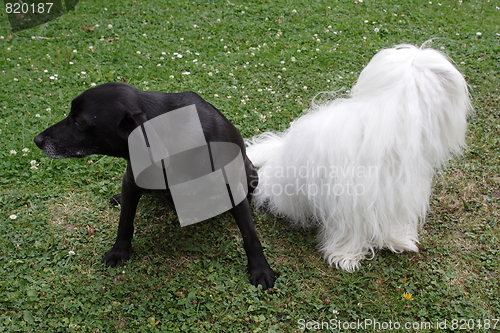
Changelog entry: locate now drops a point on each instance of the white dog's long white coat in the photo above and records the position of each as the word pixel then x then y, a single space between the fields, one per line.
pixel 361 168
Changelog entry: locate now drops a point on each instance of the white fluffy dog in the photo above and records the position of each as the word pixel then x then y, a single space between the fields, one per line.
pixel 361 168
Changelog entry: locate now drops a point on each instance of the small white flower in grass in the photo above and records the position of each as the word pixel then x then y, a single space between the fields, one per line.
pixel 171 76
pixel 138 52
pixel 71 253
pixel 210 74
pixel 93 84
pixel 479 33
pixel 25 152
pixel 34 165
pixel 110 26
pixel 13 217
pixel 71 63
pixel 13 153
pixel 376 29
pixel 37 115
pixel 185 73
pixel 16 79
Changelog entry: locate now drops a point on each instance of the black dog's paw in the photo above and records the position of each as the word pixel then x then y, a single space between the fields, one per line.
pixel 263 276
pixel 116 199
pixel 116 256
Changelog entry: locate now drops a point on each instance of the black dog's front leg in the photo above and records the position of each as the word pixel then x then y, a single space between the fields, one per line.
pixel 260 272
pixel 130 196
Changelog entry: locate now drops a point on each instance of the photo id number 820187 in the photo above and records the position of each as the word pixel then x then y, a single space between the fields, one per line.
pixel 25 8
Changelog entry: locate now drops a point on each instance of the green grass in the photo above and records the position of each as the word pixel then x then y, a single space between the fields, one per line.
pixel 260 63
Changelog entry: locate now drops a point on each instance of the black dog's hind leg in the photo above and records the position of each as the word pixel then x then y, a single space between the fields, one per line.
pixel 129 199
pixel 260 272
pixel 252 178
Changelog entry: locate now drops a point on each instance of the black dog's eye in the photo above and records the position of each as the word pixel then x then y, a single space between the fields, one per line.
pixel 78 123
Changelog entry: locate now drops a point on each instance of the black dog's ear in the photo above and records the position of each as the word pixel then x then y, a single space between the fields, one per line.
pixel 129 123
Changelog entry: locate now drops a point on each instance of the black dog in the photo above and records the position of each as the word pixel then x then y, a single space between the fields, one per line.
pixel 100 122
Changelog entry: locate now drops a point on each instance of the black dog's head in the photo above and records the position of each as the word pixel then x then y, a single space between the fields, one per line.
pixel 99 122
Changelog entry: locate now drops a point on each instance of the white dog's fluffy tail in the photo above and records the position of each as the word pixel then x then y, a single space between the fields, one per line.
pixel 261 148
pixel 361 168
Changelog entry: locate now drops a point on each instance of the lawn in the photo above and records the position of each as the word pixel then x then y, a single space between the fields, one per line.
pixel 261 63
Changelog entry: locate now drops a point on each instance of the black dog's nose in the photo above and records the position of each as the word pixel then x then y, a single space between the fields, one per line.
pixel 39 139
